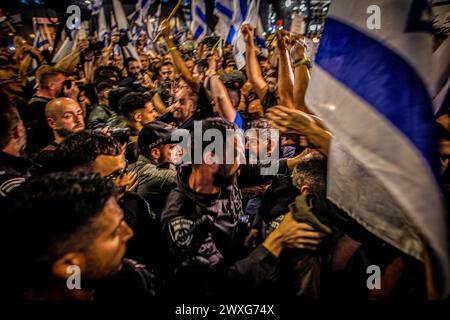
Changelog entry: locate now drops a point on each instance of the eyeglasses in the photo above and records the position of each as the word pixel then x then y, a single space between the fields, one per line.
pixel 118 173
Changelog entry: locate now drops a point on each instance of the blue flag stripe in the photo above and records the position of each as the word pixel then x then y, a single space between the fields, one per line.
pixel 198 32
pixel 384 80
pixel 224 10
pixel 243 4
pixel 200 14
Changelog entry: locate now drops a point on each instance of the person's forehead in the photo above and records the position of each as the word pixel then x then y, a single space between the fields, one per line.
pixel 166 68
pixel 149 105
pixel 113 162
pixel 71 106
pixel 110 216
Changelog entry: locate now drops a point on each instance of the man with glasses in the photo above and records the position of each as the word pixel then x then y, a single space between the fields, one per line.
pixel 100 153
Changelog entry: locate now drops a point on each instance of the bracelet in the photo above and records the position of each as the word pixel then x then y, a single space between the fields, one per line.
pixel 172 49
pixel 303 61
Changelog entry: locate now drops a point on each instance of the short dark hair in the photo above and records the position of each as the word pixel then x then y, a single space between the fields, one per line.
pixel 133 101
pixel 312 171
pixel 9 118
pixel 165 63
pixel 115 95
pixel 104 84
pixel 51 215
pixel 45 73
pixel 80 149
pixel 224 126
pixel 128 61
pixel 106 72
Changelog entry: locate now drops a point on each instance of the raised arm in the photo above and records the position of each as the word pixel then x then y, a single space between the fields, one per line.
pixel 285 74
pixel 106 53
pixel 218 92
pixel 301 73
pixel 253 68
pixel 178 60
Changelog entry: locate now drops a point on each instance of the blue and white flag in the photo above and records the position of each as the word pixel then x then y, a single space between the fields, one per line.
pixel 198 24
pixel 95 7
pixel 102 26
pixel 251 18
pixel 223 10
pixel 153 24
pixel 441 75
pixel 372 89
pixel 122 24
pixel 69 44
pixel 140 12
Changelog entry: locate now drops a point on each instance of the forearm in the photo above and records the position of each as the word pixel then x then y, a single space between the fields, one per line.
pixel 253 71
pixel 158 103
pixel 106 54
pixel 220 95
pixel 319 138
pixel 180 65
pixel 301 84
pixel 286 81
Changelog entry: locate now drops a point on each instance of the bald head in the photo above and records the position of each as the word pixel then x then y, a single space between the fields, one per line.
pixel 56 107
pixel 64 116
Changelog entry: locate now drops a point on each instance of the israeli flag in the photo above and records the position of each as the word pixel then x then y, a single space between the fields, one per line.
pixel 40 41
pixel 371 86
pixel 153 24
pixel 69 44
pixel 223 10
pixel 198 24
pixel 95 7
pixel 122 25
pixel 441 76
pixel 253 19
pixel 102 26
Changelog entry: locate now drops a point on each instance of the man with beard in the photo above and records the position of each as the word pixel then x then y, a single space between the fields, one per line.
pixel 166 77
pixel 154 167
pixel 50 81
pixel 203 218
pixel 64 116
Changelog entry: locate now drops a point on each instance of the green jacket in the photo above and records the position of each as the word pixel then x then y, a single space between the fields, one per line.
pixel 100 115
pixel 155 182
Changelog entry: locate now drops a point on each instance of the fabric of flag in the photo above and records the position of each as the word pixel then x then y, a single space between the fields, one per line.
pixel 251 18
pixel 102 30
pixel 223 10
pixel 122 25
pixel 441 75
pixel 372 89
pixel 41 40
pixel 198 24
pixel 153 23
pixel 69 44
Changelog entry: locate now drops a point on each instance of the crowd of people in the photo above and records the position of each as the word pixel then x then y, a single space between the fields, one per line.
pixel 90 176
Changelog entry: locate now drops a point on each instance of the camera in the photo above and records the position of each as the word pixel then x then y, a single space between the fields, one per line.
pixel 121 134
pixel 124 40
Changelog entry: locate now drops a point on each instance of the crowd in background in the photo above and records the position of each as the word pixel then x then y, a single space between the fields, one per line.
pixel 89 177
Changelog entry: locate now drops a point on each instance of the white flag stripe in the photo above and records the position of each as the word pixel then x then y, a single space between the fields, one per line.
pixel 392 28
pixel 382 161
